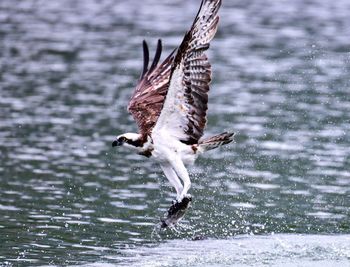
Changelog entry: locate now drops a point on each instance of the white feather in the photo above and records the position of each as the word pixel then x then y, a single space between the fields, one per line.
pixel 173 116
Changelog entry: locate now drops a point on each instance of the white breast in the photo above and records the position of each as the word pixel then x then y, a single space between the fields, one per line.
pixel 166 147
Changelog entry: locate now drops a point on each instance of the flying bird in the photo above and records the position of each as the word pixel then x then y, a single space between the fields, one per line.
pixel 170 104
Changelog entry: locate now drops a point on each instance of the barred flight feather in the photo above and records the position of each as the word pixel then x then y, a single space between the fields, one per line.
pixel 174 94
pixel 192 67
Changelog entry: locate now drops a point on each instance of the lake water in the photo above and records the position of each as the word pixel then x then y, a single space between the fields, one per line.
pixel 278 196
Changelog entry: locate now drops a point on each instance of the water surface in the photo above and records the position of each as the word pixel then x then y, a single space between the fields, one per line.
pixel 280 80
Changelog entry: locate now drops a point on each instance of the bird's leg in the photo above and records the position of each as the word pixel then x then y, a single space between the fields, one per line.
pixel 175 213
pixel 181 171
pixel 173 179
pixel 179 207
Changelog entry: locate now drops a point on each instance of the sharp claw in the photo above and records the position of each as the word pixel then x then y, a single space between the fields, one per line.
pixel 176 211
pixel 188 196
pixel 181 198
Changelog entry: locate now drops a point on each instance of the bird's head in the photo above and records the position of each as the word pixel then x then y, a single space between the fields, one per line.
pixel 128 139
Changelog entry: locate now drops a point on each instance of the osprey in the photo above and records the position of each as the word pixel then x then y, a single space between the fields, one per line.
pixel 170 101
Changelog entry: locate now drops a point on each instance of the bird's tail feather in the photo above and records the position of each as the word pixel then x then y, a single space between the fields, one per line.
pixel 215 141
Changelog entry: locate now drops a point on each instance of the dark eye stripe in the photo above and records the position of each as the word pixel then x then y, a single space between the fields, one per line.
pixel 137 143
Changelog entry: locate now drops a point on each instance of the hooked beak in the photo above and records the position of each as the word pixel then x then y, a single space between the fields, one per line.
pixel 116 143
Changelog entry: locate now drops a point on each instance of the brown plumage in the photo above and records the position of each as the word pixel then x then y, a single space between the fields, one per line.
pixel 197 70
pixel 216 141
pixel 148 98
pixel 150 94
pixel 170 105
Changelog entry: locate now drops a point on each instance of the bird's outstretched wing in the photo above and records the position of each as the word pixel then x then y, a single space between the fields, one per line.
pixel 183 115
pixel 148 98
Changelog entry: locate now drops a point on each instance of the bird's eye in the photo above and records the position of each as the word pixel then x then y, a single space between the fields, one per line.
pixel 122 139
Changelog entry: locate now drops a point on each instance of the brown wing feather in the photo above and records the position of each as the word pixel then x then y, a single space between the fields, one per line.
pixel 197 69
pixel 148 98
pixel 151 92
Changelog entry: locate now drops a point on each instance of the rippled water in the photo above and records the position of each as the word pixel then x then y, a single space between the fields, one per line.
pixel 280 80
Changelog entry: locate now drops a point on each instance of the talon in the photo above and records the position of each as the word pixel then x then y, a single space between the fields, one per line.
pixel 163 223
pixel 188 196
pixel 176 211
